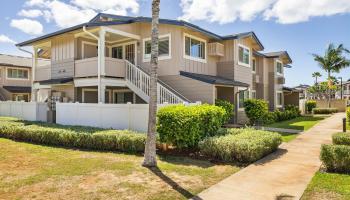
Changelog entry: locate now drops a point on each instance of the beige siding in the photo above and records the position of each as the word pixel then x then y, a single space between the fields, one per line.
pixel 88 67
pixel 225 69
pixel 43 73
pixel 192 89
pixel 62 56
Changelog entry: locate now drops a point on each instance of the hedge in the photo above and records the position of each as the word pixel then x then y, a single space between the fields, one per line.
pixel 324 110
pixel 290 112
pixel 341 138
pixel 227 106
pixel 348 114
pixel 310 104
pixel 184 126
pixel 72 136
pixel 256 110
pixel 247 146
pixel 336 158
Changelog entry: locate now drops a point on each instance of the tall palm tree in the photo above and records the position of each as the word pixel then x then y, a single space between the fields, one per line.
pixel 316 75
pixel 150 147
pixel 332 62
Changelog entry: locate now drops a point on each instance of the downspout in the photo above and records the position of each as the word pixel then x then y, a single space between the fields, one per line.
pixel 98 64
pixel 33 96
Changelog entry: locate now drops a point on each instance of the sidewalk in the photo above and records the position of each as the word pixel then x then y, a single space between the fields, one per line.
pixel 284 174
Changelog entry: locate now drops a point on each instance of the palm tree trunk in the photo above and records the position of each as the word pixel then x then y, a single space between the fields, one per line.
pixel 329 89
pixel 150 147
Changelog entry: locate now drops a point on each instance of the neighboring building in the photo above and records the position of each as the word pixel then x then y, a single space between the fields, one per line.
pixel 291 96
pixel 107 60
pixel 304 94
pixel 345 91
pixel 15 78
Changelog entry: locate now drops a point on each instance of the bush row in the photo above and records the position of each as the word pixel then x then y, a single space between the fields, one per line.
pixel 227 106
pixel 309 105
pixel 69 136
pixel 324 110
pixel 258 114
pixel 244 145
pixel 184 126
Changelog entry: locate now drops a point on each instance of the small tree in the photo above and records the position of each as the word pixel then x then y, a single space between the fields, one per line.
pixel 316 75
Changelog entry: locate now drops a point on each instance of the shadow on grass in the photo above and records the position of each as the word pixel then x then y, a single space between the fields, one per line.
pixel 185 193
pixel 290 124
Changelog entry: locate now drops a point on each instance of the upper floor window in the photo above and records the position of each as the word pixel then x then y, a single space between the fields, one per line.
pixel 117 52
pixel 164 47
pixel 17 73
pixel 279 67
pixel 254 65
pixel 243 55
pixel 195 48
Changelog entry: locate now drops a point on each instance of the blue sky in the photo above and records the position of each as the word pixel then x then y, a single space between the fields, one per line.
pixel 279 24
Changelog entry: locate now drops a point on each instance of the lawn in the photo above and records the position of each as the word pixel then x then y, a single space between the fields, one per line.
pixel 300 123
pixel 328 186
pixel 31 171
pixel 287 137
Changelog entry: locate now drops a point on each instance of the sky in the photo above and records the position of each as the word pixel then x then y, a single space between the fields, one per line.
pixel 299 27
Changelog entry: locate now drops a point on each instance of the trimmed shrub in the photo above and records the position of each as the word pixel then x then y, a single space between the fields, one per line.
pixel 256 110
pixel 184 126
pixel 227 106
pixel 336 158
pixel 249 145
pixel 310 104
pixel 324 110
pixel 341 138
pixel 73 136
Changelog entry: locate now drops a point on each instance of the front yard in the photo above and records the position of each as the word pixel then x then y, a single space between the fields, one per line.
pixel 328 186
pixel 300 123
pixel 42 172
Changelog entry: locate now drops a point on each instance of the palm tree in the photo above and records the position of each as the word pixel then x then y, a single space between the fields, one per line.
pixel 150 147
pixel 332 62
pixel 316 75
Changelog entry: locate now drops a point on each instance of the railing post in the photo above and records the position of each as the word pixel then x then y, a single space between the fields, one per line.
pixel 344 124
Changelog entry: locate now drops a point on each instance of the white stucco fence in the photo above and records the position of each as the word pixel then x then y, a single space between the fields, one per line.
pixel 116 116
pixel 31 111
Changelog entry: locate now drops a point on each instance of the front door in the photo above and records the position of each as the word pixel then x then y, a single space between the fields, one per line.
pixel 130 53
pixel 125 51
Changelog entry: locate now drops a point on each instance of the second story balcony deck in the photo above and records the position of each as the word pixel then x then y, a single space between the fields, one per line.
pixel 88 67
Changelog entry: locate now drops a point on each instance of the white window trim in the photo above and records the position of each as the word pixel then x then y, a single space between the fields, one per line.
pixel 123 45
pixel 159 57
pixel 93 44
pixel 18 79
pixel 250 55
pixel 191 57
pixel 277 105
pixel 254 72
pixel 122 91
pixel 279 61
pixel 241 89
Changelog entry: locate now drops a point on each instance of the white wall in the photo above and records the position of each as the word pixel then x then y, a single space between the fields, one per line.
pixel 31 111
pixel 116 116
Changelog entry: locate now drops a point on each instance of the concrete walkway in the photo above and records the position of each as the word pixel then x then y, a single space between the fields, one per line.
pixel 284 174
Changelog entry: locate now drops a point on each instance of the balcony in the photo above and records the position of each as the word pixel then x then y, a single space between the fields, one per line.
pixel 88 67
pixel 43 73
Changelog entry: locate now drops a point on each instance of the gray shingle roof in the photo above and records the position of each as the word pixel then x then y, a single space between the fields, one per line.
pixel 19 61
pixel 215 80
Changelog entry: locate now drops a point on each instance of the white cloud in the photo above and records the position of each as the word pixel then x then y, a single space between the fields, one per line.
pixel 30 13
pixel 5 39
pixel 287 12
pixel 115 6
pixel 39 3
pixel 283 11
pixel 29 26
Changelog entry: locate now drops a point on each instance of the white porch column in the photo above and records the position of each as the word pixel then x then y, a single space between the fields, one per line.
pixel 34 65
pixel 101 64
pixel 103 93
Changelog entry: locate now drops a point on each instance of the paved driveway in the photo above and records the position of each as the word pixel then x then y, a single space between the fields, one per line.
pixel 284 174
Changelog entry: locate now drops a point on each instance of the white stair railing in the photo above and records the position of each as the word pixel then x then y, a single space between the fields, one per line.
pixel 141 80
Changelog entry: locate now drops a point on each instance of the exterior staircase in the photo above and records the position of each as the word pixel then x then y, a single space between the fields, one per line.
pixel 138 80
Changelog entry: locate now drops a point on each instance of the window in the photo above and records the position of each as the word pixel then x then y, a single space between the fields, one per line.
pixel 17 73
pixel 243 56
pixel 279 67
pixel 253 94
pixel 21 97
pixel 194 48
pixel 254 65
pixel 242 95
pixel 279 99
pixel 163 48
pixel 117 52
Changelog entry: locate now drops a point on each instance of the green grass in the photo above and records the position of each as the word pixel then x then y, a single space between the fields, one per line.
pixel 300 123
pixel 287 137
pixel 33 171
pixel 328 186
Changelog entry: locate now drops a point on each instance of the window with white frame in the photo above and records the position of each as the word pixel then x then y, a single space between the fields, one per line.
pixel 242 96
pixel 163 48
pixel 253 94
pixel 279 67
pixel 195 48
pixel 14 73
pixel 254 65
pixel 117 52
pixel 243 55
pixel 279 98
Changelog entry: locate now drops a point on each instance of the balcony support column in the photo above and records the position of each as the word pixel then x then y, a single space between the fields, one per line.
pixel 101 64
pixel 33 95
